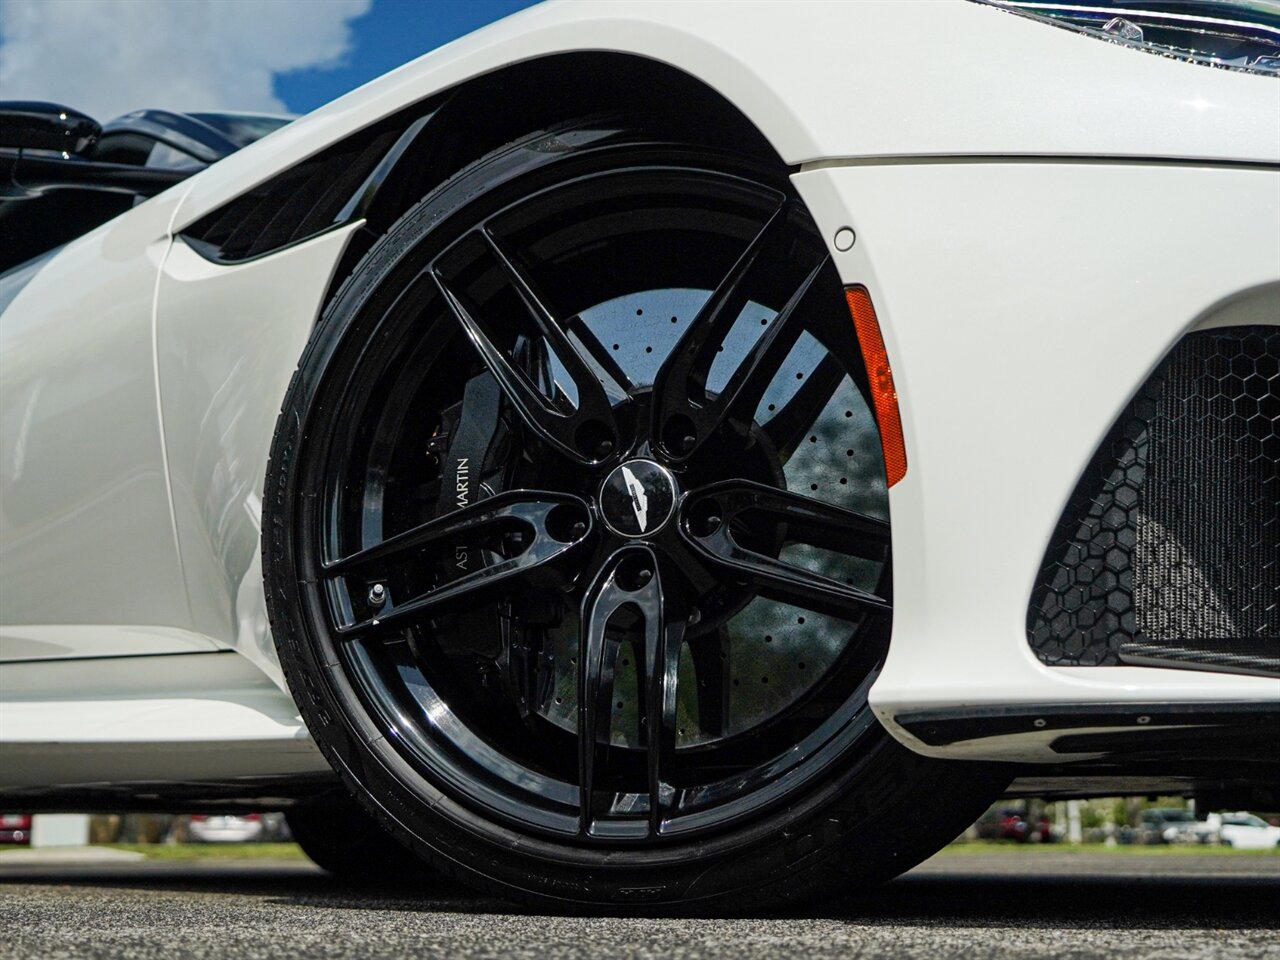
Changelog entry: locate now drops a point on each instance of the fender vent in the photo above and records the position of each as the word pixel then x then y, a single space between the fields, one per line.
pixel 299 203
pixel 1168 552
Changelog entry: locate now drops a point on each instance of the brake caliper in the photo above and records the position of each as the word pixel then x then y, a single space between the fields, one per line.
pixel 468 448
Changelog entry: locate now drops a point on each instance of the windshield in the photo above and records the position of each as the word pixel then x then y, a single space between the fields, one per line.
pixel 1234 34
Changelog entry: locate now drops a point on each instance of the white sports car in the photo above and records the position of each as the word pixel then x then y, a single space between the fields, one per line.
pixel 512 444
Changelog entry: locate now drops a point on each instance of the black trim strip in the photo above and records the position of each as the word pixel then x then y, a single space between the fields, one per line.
pixel 827 163
pixel 939 728
pixel 1248 741
pixel 239 794
pixel 117 656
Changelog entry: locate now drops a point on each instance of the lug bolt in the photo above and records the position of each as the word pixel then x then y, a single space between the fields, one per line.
pixel 578 530
pixel 377 595
pixel 603 449
pixel 687 443
pixel 643 577
pixel 712 524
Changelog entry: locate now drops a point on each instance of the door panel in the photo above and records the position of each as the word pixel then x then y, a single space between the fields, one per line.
pixel 86 530
pixel 228 338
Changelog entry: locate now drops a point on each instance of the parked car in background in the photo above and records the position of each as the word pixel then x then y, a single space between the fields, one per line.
pixel 1245 830
pixel 226 829
pixel 15 828
pixel 1175 825
pixel 1010 823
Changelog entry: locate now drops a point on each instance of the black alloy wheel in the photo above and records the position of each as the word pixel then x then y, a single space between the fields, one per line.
pixel 578 552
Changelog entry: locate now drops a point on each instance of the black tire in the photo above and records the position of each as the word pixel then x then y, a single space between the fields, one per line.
pixel 340 836
pixel 851 817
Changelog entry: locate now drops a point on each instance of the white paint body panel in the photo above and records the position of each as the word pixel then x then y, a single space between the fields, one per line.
pixel 139 383
pixel 166 718
pixel 1021 309
pixel 228 341
pixel 86 533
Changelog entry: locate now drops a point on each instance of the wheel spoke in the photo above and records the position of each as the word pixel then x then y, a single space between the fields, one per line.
pixel 533 357
pixel 663 638
pixel 751 379
pixel 788 427
pixel 597 659
pixel 615 380
pixel 593 397
pixel 629 581
pixel 588 434
pixel 710 517
pixel 684 415
pixel 523 517
pixel 711 669
pixel 748 383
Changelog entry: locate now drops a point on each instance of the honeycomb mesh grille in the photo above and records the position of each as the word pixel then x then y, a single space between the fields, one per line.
pixel 1168 551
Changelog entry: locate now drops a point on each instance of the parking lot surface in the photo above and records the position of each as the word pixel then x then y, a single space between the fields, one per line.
pixel 1012 904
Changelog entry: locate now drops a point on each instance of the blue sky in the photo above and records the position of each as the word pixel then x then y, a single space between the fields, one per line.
pixel 391 33
pixel 107 57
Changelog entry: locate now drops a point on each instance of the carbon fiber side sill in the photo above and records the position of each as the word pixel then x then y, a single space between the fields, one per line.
pixel 1254 656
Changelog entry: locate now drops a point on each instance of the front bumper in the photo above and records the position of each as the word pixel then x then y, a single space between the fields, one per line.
pixel 1022 305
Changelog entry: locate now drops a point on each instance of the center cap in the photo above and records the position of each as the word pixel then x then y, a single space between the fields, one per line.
pixel 637 498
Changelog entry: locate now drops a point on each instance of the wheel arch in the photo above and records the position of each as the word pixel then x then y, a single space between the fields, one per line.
pixel 382 169
pixel 484 112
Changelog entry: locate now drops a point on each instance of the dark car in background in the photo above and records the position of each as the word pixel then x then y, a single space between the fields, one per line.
pixel 15 828
pixel 1012 823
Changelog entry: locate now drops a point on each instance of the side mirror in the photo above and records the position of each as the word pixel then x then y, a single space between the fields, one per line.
pixel 31 125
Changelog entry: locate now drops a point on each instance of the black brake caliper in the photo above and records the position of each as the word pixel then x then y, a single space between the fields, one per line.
pixel 507 649
pixel 469 447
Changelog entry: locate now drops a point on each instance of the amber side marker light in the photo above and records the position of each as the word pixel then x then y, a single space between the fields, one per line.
pixel 883 396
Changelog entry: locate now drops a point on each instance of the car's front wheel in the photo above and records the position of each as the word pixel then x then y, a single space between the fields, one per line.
pixel 577 542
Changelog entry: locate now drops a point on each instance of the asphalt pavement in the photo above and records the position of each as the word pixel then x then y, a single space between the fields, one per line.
pixel 1016 904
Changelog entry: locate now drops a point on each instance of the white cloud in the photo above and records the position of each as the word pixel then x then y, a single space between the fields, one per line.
pixel 107 57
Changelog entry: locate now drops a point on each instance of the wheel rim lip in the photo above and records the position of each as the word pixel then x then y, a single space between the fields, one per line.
pixel 547 788
pixel 791 773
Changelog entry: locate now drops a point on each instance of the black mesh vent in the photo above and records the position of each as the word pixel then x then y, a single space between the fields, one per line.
pixel 1169 550
pixel 297 204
